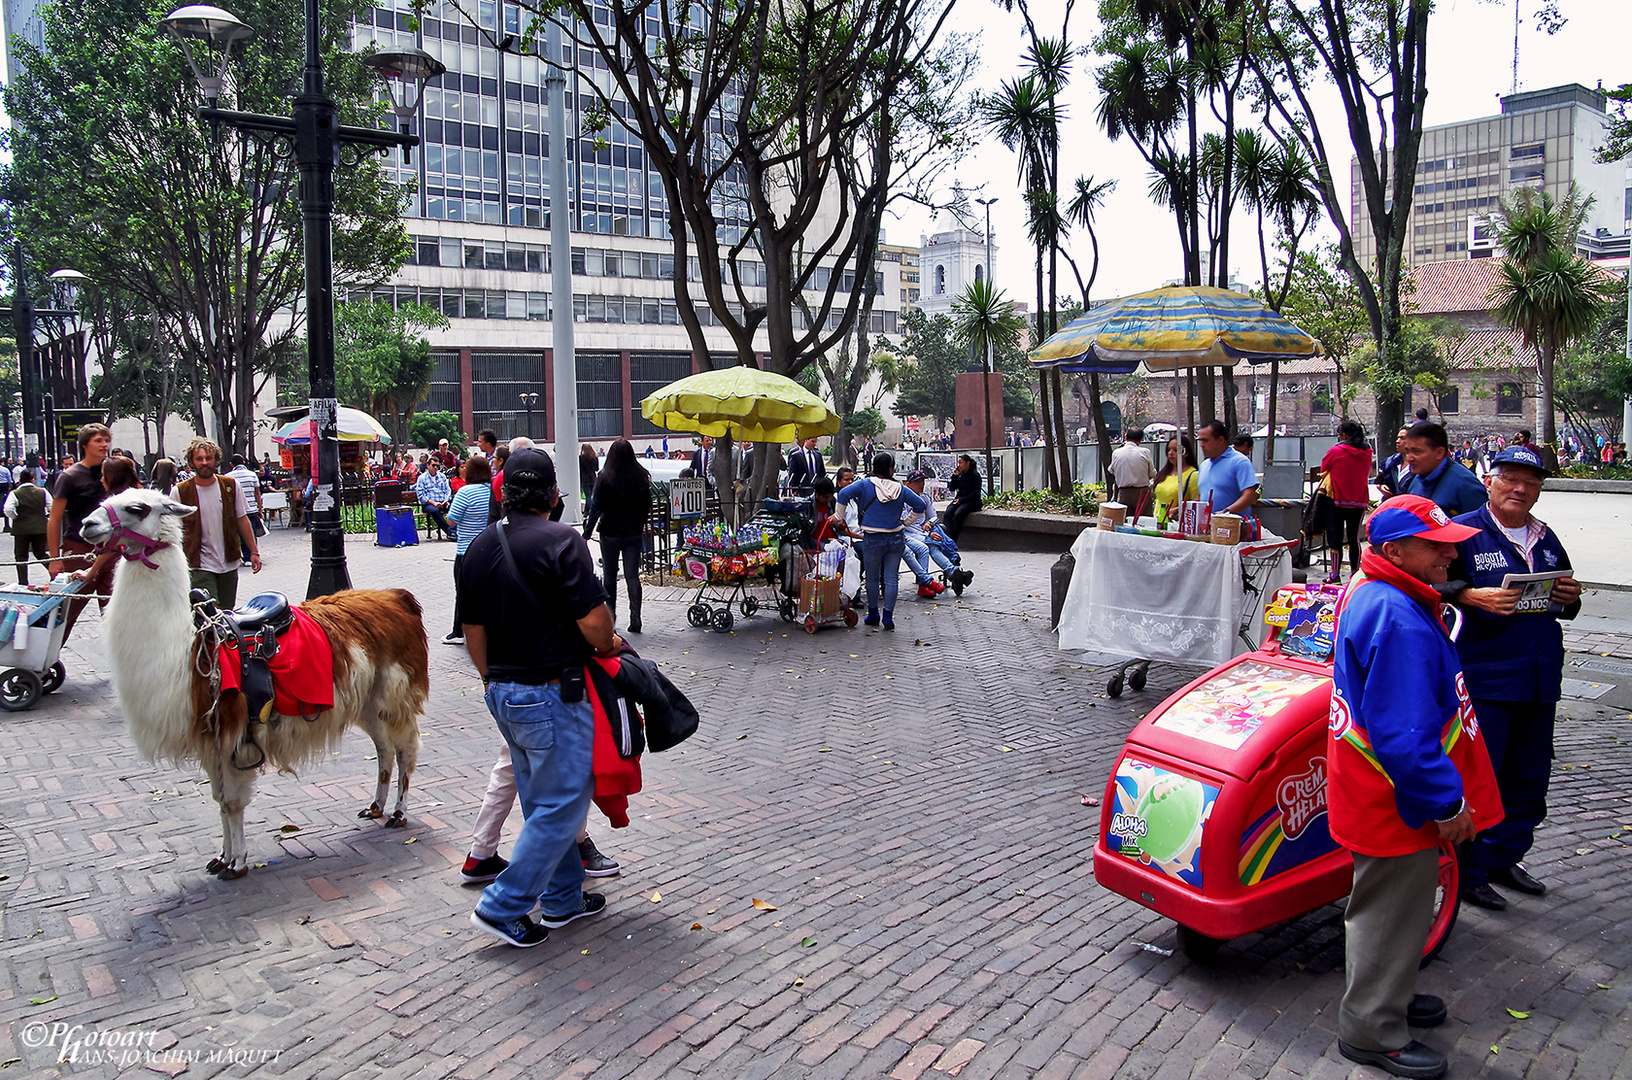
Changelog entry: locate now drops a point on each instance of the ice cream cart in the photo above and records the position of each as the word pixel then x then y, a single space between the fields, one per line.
pixel 1215 814
pixel 32 625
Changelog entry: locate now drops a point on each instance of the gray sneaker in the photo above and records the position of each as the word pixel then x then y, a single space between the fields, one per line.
pixel 594 904
pixel 596 864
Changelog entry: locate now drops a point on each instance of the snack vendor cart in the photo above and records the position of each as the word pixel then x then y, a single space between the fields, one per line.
pixel 1215 813
pixel 1148 597
pixel 32 625
pixel 737 567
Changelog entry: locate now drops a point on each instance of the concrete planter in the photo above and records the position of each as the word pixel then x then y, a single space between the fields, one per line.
pixel 1022 530
pixel 1601 487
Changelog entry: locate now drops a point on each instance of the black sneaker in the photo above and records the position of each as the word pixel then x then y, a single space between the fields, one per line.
pixel 523 933
pixel 963 577
pixel 477 870
pixel 454 639
pixel 594 904
pixel 596 864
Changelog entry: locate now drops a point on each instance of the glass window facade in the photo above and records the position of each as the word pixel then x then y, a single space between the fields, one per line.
pixel 497 381
pixel 600 395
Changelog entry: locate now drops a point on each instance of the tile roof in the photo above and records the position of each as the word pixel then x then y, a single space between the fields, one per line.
pixel 1460 285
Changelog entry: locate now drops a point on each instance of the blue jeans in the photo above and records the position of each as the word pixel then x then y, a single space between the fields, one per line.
pixel 551 747
pixel 881 561
pixel 918 554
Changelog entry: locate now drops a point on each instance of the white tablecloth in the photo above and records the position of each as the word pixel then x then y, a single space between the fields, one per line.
pixel 1160 599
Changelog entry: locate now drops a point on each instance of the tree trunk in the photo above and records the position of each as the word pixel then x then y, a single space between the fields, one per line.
pixel 1102 431
pixel 1544 421
pixel 1207 395
pixel 1051 481
pixel 1231 420
pixel 1063 454
pixel 986 388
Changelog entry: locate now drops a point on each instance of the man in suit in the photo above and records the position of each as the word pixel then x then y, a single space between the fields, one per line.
pixel 702 461
pixel 805 467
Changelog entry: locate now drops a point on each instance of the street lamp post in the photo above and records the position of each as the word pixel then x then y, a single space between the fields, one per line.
pixel 529 399
pixel 37 411
pixel 314 137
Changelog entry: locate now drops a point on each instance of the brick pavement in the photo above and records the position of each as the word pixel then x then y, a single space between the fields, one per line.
pixel 910 803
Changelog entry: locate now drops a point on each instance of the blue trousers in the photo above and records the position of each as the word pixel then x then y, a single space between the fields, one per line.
pixel 919 554
pixel 551 748
pixel 1519 736
pixel 881 561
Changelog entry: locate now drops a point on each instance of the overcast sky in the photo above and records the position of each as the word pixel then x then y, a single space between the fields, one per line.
pixel 1470 49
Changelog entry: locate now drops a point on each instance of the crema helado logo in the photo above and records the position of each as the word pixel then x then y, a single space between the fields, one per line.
pixel 1302 798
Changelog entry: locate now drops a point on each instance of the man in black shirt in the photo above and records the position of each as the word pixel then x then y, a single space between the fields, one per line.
pixel 532 617
pixel 78 491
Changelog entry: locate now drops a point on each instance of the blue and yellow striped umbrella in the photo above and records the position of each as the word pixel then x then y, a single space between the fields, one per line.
pixel 1176 327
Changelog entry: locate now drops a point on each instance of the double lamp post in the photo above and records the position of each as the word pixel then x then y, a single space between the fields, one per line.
pixel 314 137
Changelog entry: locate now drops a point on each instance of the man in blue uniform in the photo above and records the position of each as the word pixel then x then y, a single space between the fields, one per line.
pixel 1512 651
pixel 1435 475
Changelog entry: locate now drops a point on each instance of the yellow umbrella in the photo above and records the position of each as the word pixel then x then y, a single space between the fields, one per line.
pixel 743 402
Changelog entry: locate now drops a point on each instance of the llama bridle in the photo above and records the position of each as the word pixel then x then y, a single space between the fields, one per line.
pixel 127 537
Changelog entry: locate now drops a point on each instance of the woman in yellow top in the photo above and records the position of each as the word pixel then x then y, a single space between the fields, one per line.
pixel 1176 483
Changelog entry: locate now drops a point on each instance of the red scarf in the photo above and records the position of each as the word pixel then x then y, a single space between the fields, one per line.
pixel 1374 567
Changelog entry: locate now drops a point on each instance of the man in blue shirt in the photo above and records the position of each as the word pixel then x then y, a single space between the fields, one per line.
pixel 1435 475
pixel 1512 651
pixel 434 495
pixel 1229 483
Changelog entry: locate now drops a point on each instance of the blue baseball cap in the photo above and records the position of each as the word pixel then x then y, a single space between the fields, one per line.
pixel 1412 515
pixel 1520 455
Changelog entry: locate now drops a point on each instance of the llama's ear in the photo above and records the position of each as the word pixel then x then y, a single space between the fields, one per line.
pixel 172 508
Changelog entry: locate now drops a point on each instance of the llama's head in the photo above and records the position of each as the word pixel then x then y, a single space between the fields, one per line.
pixel 136 522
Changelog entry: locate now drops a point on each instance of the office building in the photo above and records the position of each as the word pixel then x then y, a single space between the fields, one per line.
pixel 1547 139
pixel 481 240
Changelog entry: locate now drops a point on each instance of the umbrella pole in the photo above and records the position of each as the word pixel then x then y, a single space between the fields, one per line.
pixel 1190 397
pixel 1274 392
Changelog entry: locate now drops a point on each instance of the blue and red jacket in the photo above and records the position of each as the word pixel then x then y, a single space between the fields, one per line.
pixel 1403 745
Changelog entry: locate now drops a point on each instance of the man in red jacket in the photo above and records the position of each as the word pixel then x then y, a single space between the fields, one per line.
pixel 1407 770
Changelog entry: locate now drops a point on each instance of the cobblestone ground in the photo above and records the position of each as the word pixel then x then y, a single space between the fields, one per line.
pixel 910 804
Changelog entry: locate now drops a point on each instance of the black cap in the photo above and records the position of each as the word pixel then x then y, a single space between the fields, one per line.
pixel 529 467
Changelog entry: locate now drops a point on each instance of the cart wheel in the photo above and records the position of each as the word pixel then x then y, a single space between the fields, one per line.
pixel 697 615
pixel 1136 678
pixel 810 624
pixel 19 689
pixel 749 606
pixel 1114 687
pixel 722 620
pixel 54 676
pixel 1198 946
pixel 850 619
pixel 1447 902
pixel 787 609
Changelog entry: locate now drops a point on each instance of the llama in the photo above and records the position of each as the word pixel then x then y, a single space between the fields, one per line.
pixel 381 674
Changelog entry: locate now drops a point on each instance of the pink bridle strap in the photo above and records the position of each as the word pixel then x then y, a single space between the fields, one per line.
pixel 129 537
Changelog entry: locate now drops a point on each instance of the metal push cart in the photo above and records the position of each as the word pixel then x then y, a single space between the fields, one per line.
pixel 29 664
pixel 809 599
pixel 737 575
pixel 1258 560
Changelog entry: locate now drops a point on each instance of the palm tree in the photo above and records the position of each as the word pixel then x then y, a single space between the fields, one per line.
pixel 1545 290
pixel 1277 183
pixel 986 319
pixel 1087 196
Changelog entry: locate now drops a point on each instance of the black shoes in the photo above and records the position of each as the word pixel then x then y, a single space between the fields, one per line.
pixel 1425 1011
pixel 594 904
pixel 523 933
pixel 1413 1059
pixel 477 871
pixel 1485 897
pixel 1515 878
